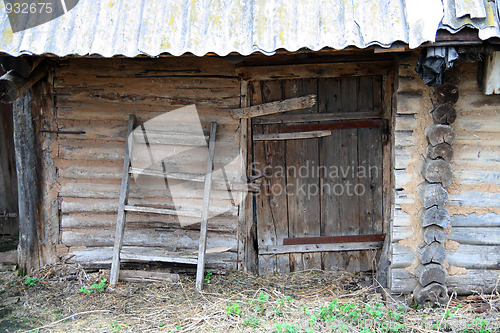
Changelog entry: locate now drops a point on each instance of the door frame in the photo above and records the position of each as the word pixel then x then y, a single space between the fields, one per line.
pixel 247 235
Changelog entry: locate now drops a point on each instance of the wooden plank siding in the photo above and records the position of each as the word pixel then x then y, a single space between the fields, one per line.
pixel 93 100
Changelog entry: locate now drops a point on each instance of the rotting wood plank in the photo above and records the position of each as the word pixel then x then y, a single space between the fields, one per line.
pixel 323 116
pixel 333 239
pixel 331 247
pixel 290 104
pixel 120 220
pixel 353 124
pixel 291 136
pixel 200 269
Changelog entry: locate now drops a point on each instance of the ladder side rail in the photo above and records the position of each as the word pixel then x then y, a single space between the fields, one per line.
pixel 120 220
pixel 200 269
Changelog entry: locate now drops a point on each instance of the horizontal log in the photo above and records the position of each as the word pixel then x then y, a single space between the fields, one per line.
pixel 475 236
pixel 437 171
pixel 402 281
pixel 310 117
pixel 136 221
pixel 444 113
pixel 296 103
pixel 441 150
pixel 171 239
pixel 331 126
pixel 401 219
pixel 431 273
pixel 433 293
pixel 474 199
pixel 333 239
pixel 332 247
pixel 434 216
pixel 438 133
pixel 432 194
pixel 476 220
pixel 475 256
pixel 144 276
pixel 302 71
pixel 405 139
pixel 408 103
pixel 402 256
pixel 291 136
pixel 99 256
pixel 474 281
pixel 433 253
pixel 434 233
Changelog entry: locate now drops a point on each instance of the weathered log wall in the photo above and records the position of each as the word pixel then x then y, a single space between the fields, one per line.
pixel 93 100
pixel 472 257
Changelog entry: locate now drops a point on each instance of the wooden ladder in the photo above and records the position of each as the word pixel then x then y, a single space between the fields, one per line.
pixel 124 207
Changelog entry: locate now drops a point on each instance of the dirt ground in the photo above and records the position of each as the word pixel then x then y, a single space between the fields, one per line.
pixel 312 301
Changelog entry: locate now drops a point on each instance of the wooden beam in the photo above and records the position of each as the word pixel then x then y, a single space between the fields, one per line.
pixel 27 183
pixel 296 103
pixel 311 71
pixel 21 65
pixel 333 239
pixel 145 276
pixel 291 136
pixel 331 126
pixel 200 268
pixel 332 247
pixel 13 85
pixel 309 117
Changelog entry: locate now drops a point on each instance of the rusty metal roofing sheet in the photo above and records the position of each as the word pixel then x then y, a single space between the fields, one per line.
pixel 153 27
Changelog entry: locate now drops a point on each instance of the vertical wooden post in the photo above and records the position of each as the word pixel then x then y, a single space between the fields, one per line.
pixel 200 269
pixel 120 220
pixel 27 183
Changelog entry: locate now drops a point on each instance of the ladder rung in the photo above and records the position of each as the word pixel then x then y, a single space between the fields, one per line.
pixel 171 138
pixel 160 173
pixel 164 211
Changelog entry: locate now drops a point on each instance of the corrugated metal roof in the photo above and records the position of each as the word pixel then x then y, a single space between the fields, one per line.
pixel 152 27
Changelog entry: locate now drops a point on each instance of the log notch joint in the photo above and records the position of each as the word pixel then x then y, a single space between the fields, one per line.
pixel 434 218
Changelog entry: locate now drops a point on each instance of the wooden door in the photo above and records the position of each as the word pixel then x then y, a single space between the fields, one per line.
pixel 319 187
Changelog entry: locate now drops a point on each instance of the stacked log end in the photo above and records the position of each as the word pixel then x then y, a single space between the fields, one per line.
pixel 434 217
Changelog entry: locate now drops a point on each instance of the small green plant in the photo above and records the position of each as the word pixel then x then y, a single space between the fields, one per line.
pixel 85 291
pixel 208 276
pixel 30 281
pixel 101 286
pixel 233 309
pixel 252 322
pixel 286 328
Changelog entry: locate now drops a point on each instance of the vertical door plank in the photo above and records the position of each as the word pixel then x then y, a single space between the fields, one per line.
pixel 348 145
pixel 329 101
pixel 304 216
pixel 267 264
pixel 275 180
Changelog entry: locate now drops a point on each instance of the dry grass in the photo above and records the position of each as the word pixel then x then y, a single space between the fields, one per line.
pixel 54 304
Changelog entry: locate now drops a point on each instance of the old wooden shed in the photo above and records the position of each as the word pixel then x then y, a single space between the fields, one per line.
pixel 377 171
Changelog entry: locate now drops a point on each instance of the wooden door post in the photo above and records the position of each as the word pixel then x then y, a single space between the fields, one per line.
pixel 27 183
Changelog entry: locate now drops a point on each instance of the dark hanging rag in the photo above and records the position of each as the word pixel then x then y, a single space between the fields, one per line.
pixel 432 63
